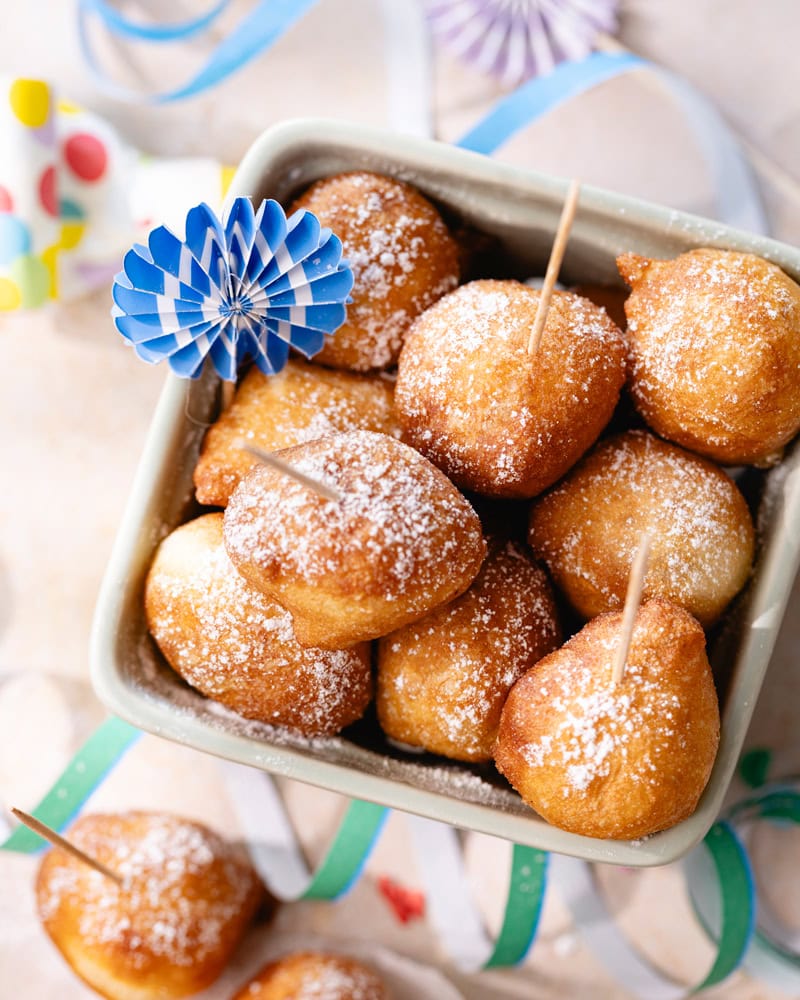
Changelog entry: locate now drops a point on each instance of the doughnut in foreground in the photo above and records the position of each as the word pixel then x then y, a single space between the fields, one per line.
pixel 495 419
pixel 403 259
pixel 169 930
pixel 587 528
pixel 314 975
pixel 619 761
pixel 237 646
pixel 401 541
pixel 714 341
pixel 443 680
pixel 300 403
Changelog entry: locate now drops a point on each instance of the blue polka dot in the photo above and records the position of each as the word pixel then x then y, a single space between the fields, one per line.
pixel 15 238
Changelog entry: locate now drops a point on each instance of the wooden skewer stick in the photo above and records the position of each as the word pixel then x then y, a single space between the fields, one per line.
pixel 56 839
pixel 554 264
pixel 328 492
pixel 227 392
pixel 633 598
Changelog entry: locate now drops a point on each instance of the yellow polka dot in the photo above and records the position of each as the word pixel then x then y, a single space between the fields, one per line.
pixel 72 234
pixel 68 108
pixel 10 295
pixel 226 178
pixel 50 258
pixel 30 101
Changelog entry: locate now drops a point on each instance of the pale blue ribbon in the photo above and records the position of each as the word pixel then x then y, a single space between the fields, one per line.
pixel 738 199
pixel 266 23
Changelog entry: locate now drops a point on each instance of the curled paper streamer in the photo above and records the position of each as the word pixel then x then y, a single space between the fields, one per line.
pixel 253 287
pixel 273 844
pixel 88 768
pixel 774 955
pixel 73 196
pixel 452 911
pixel 718 874
pixel 261 28
pixel 738 199
pixel 727 886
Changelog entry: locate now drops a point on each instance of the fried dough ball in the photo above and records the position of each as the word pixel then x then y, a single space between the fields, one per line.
pixel 443 680
pixel 314 975
pixel 186 900
pixel 587 528
pixel 619 761
pixel 237 646
pixel 494 418
pixel 401 541
pixel 714 340
pixel 300 403
pixel 403 259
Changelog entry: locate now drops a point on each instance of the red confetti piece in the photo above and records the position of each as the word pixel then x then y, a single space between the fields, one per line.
pixel 406 904
pixel 6 201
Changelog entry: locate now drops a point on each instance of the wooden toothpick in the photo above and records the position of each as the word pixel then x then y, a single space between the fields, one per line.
pixel 268 458
pixel 633 599
pixel 554 264
pixel 58 841
pixel 227 392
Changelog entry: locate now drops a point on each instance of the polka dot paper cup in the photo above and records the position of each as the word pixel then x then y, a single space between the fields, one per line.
pixel 63 225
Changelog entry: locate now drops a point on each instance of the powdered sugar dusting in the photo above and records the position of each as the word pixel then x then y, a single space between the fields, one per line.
pixel 714 349
pixel 442 681
pixel 183 887
pixel 237 646
pixel 472 400
pixel 602 729
pixel 587 528
pixel 317 976
pixel 400 522
pixel 301 403
pixel 401 253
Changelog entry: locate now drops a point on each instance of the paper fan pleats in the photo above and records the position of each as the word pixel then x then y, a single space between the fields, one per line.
pixel 513 40
pixel 253 287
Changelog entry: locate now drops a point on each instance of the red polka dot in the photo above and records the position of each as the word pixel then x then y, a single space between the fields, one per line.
pixel 47 191
pixel 86 156
pixel 6 201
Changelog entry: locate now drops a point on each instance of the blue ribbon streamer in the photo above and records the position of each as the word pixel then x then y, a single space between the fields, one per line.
pixel 269 20
pixel 738 199
pixel 541 94
pixel 136 31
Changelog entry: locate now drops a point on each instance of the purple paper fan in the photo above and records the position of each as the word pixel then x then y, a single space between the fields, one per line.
pixel 513 40
pixel 251 287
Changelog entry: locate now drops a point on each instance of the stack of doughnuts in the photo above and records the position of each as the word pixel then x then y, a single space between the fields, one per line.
pixel 270 605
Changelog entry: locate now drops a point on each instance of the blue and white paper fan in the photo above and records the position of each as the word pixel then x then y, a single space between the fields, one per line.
pixel 251 289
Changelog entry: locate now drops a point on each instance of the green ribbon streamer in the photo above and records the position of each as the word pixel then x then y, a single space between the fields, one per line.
pixel 526 892
pixel 349 851
pixel 737 902
pixel 363 821
pixel 80 778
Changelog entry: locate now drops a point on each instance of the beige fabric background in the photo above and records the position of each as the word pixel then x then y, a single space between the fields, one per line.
pixel 76 405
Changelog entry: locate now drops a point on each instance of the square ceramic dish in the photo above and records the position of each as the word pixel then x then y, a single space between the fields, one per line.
pixel 520 210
